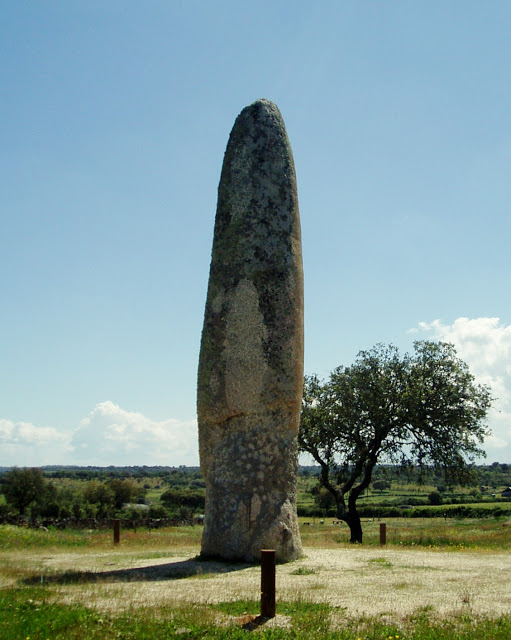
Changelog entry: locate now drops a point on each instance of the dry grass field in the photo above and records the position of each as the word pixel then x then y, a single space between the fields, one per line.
pixel 390 582
pixel 160 569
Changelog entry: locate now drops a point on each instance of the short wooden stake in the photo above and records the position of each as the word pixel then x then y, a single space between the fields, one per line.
pixel 117 531
pixel 267 583
pixel 383 534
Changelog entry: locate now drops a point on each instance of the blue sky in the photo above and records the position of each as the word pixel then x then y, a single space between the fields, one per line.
pixel 114 117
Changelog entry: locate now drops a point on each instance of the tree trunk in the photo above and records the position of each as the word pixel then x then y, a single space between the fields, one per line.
pixel 353 521
pixel 351 518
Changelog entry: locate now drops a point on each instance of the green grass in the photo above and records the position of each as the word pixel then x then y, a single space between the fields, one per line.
pixel 32 614
pixel 381 562
pixel 459 533
pixel 253 607
pixel 153 495
pixel 484 534
pixel 16 538
pixel 468 533
pixel 303 571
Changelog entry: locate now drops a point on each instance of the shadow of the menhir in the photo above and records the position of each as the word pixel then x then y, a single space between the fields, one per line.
pixel 167 571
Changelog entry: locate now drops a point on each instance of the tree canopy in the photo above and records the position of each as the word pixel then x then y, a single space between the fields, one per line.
pixel 419 409
pixel 22 487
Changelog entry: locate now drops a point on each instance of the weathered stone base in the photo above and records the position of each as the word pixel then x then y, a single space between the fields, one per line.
pixel 251 494
pixel 242 542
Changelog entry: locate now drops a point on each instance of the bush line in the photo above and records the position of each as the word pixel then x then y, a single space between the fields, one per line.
pixel 457 511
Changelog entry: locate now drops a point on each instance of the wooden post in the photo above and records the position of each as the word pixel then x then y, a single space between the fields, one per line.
pixel 268 583
pixel 383 534
pixel 117 531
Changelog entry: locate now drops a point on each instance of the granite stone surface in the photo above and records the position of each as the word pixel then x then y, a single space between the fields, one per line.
pixel 251 359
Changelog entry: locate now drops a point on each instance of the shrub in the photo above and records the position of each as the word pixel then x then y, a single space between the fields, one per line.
pixel 381 485
pixel 177 498
pixel 51 510
pixel 23 487
pixel 157 511
pixel 435 498
pixel 310 512
pixel 65 511
pixel 77 510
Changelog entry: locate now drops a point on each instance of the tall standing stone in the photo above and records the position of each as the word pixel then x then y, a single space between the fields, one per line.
pixel 251 359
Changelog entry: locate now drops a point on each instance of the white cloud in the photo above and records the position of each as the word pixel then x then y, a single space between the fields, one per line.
pixel 111 435
pixel 485 345
pixel 482 342
pixel 25 444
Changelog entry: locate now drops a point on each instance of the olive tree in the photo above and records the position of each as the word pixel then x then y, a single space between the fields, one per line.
pixel 421 409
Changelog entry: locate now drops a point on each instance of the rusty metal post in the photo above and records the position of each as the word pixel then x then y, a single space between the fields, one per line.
pixel 117 531
pixel 268 583
pixel 383 534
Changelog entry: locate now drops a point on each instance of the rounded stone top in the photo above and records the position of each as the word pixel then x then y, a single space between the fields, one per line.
pixel 261 115
pixel 264 103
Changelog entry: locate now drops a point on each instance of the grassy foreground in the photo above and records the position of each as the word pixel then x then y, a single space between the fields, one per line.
pixel 43 612
pixel 31 614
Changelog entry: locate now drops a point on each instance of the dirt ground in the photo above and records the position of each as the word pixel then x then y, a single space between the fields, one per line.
pixel 376 581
